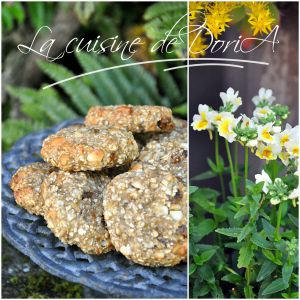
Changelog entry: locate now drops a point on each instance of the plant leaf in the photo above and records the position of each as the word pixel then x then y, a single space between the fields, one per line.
pixel 233 232
pixel 259 241
pixel 266 270
pixel 274 287
pixel 245 256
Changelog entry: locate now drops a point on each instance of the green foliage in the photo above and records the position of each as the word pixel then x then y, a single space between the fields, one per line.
pixel 45 107
pixel 237 244
pixel 161 18
pixel 12 13
pixel 39 14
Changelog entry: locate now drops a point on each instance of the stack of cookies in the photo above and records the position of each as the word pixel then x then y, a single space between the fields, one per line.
pixel 116 182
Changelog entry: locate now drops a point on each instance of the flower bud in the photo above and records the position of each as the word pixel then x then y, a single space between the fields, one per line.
pixel 252 143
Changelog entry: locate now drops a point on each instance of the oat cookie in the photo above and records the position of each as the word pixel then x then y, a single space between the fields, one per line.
pixel 132 118
pixel 179 133
pixel 165 153
pixel 26 183
pixel 145 212
pixel 80 148
pixel 74 209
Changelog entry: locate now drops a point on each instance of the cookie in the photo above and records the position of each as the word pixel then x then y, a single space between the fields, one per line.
pixel 26 183
pixel 145 212
pixel 179 133
pixel 80 148
pixel 132 118
pixel 74 209
pixel 164 153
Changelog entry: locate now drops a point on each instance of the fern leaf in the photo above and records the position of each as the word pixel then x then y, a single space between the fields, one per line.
pixel 13 129
pixel 28 98
pixel 157 9
pixel 139 77
pixel 104 86
pixel 168 84
pixel 80 94
pixel 54 107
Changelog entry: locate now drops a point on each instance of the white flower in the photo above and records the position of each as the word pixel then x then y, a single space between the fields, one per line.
pixel 292 147
pixel 217 117
pixel 226 128
pixel 268 152
pixel 276 129
pixel 286 135
pixel 284 157
pixel 294 193
pixel 252 143
pixel 231 98
pixel 247 122
pixel 263 95
pixel 203 120
pixel 262 112
pixel 264 133
pixel 265 178
pixel 274 201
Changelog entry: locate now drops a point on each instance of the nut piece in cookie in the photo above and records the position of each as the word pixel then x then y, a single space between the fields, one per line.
pixel 145 212
pixel 74 209
pixel 132 118
pixel 26 183
pixel 89 148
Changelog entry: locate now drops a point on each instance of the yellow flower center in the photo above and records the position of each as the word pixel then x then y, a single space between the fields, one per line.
pixel 218 118
pixel 267 153
pixel 284 139
pixel 263 111
pixel 202 124
pixel 224 127
pixel 296 151
pixel 267 136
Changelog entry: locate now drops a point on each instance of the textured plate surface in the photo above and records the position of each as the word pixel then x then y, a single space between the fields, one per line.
pixel 110 274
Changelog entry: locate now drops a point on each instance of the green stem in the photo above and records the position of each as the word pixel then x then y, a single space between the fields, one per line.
pixel 218 164
pixel 278 222
pixel 236 163
pixel 246 168
pixel 231 168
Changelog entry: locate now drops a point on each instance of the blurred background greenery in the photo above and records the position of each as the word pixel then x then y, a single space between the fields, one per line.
pixel 26 107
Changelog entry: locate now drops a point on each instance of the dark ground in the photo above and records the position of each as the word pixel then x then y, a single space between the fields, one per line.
pixel 21 278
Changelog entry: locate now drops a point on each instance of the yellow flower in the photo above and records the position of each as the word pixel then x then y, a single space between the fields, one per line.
pixel 293 148
pixel 284 157
pixel 203 120
pixel 264 133
pixel 260 18
pixel 226 128
pixel 194 8
pixel 268 152
pixel 196 44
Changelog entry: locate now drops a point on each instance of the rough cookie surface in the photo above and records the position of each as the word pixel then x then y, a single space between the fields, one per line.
pixel 74 209
pixel 165 153
pixel 145 212
pixel 26 183
pixel 80 148
pixel 132 118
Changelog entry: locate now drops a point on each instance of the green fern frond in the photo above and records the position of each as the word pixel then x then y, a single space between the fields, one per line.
pixel 140 77
pixel 157 9
pixel 102 82
pixel 13 129
pixel 161 18
pixel 54 107
pixel 79 93
pixel 28 98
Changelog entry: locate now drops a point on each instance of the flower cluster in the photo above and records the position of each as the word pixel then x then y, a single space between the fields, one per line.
pixel 277 191
pixel 219 15
pixel 262 132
